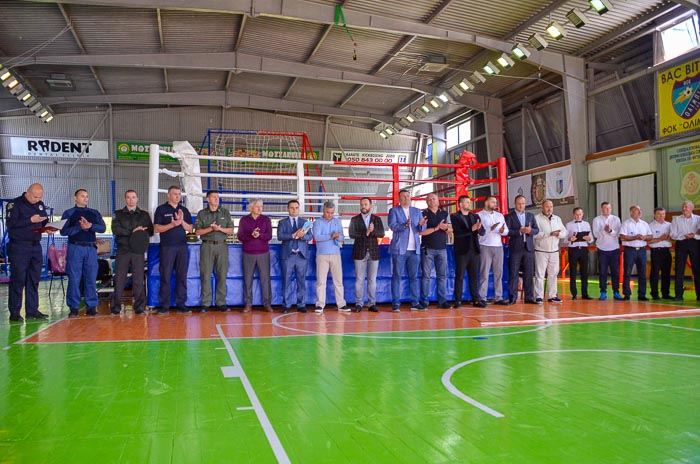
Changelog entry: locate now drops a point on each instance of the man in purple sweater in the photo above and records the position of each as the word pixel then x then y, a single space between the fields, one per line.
pixel 255 233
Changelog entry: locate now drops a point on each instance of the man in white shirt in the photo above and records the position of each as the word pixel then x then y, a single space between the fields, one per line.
pixel 491 252
pixel 579 236
pixel 606 229
pixel 685 230
pixel 547 252
pixel 660 245
pixel 634 234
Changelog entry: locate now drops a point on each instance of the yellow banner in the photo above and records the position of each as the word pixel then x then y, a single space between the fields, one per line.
pixel 679 98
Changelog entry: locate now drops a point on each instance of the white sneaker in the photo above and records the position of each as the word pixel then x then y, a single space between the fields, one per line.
pixel 318 310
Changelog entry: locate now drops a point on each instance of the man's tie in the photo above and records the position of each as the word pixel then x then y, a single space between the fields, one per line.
pixel 295 245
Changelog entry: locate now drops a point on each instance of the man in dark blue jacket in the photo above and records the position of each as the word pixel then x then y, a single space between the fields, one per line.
pixel 293 233
pixel 25 214
pixel 467 229
pixel 522 227
pixel 82 225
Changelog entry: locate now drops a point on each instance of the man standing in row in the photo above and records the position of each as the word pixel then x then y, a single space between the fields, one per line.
pixel 328 232
pixel 634 234
pixel 491 256
pixel 82 225
pixel 434 250
pixel 173 222
pixel 522 227
pixel 255 233
pixel 293 233
pixel 366 229
pixel 132 227
pixel 547 252
pixel 660 245
pixel 606 230
pixel 579 236
pixel 685 230
pixel 406 222
pixel 467 229
pixel 213 225
pixel 25 214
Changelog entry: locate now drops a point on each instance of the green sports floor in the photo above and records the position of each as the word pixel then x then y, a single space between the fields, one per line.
pixel 582 382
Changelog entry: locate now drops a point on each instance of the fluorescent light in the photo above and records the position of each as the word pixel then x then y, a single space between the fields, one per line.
pixel 425 109
pixel 478 78
pixel 505 61
pixel 44 113
pixel 456 91
pixel 435 103
pixel 443 97
pixel 465 85
pixel 47 118
pixel 24 96
pixel 389 130
pixel 410 119
pixel 5 76
pixel 35 107
pixel 30 102
pixel 556 30
pixel 537 41
pixel 16 89
pixel 418 114
pixel 490 68
pixel 601 6
pixel 383 135
pixel 577 18
pixel 520 51
pixel 11 82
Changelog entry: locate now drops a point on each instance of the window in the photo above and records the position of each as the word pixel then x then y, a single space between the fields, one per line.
pixel 678 39
pixel 459 134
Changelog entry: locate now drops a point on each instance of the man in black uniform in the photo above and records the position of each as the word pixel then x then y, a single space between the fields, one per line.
pixel 467 228
pixel 25 214
pixel 434 250
pixel 131 227
pixel 173 221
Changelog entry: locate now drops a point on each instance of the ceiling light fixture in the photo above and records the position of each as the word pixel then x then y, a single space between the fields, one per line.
pixel 577 18
pixel 478 78
pixel 556 30
pixel 520 51
pixel 601 6
pixel 505 61
pixel 383 135
pixel 490 68
pixel 435 103
pixel 425 108
pixel 537 41
pixel 465 85
pixel 410 119
pixel 443 96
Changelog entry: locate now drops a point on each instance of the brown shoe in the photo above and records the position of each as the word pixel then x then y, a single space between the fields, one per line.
pixel 269 309
pixel 247 309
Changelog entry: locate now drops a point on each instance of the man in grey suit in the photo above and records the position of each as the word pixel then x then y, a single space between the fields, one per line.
pixel 521 250
pixel 293 256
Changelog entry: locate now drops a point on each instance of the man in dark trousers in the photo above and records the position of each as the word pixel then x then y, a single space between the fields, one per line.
pixel 466 227
pixel 579 236
pixel 82 225
pixel 366 229
pixel 132 228
pixel 293 232
pixel 25 214
pixel 522 227
pixel 173 221
pixel 434 250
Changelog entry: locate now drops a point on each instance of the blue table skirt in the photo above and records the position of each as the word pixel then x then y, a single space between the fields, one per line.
pixel 234 279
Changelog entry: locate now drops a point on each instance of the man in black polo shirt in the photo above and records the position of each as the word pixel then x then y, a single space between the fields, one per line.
pixel 82 225
pixel 173 221
pixel 132 228
pixel 365 229
pixel 467 228
pixel 434 250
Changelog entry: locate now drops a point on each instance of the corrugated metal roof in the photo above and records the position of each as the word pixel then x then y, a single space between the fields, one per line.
pixel 108 30
pixel 322 92
pixel 379 99
pixel 372 48
pixel 131 80
pixel 260 84
pixel 81 76
pixel 417 10
pixel 193 31
pixel 183 80
pixel 494 18
pixel 279 38
pixel 19 33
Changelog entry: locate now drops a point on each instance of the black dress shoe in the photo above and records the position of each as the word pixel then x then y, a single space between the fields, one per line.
pixel 445 306
pixel 91 312
pixel 586 297
pixel 184 310
pixel 502 302
pixel 458 304
pixel 480 304
pixel 512 301
pixel 626 298
pixel 642 298
pixel 138 311
pixel 73 313
pixel 286 310
pixel 357 309
pixel 374 309
pixel 531 302
pixel 302 309
pixel 37 315
pixel 573 297
pixel 14 318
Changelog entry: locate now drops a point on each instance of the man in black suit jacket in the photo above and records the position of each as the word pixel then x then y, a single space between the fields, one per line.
pixel 366 229
pixel 466 227
pixel 522 227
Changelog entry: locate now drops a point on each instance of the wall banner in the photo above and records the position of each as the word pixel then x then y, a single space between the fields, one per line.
pixel 520 185
pixel 560 183
pixel 683 174
pixel 364 156
pixel 58 148
pixel 678 99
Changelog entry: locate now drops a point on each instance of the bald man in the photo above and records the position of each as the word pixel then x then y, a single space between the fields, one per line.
pixel 25 214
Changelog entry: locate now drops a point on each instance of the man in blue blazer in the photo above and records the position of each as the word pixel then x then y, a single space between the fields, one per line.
pixel 293 256
pixel 406 222
pixel 522 227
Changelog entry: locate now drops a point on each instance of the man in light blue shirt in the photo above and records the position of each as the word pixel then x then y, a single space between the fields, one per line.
pixel 328 232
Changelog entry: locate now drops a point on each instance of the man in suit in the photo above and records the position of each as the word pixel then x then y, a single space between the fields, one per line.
pixel 406 222
pixel 579 236
pixel 466 227
pixel 294 252
pixel 365 229
pixel 522 227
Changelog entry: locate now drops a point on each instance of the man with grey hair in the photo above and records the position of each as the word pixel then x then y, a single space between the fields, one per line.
pixel 255 233
pixel 685 230
pixel 635 233
pixel 328 232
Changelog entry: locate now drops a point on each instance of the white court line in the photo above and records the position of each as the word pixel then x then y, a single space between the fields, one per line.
pixel 376 335
pixel 619 317
pixel 447 376
pixel 642 321
pixel 272 437
pixel 22 340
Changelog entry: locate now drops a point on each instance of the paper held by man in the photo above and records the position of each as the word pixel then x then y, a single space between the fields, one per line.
pixel 51 226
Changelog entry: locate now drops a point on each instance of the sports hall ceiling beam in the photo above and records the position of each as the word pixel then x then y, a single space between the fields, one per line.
pixel 80 44
pixel 227 61
pixel 162 46
pixel 227 100
pixel 325 14
pixel 239 38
